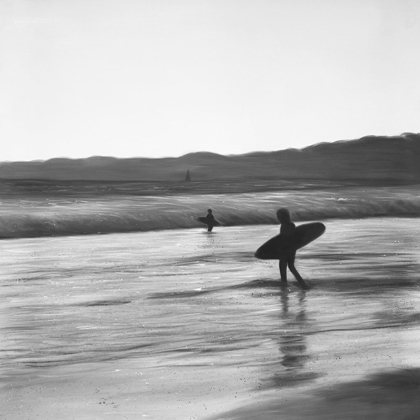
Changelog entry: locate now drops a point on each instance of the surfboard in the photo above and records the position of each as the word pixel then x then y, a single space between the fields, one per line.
pixel 302 236
pixel 206 221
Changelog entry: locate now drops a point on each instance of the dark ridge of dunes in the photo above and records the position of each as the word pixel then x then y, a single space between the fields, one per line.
pixel 370 158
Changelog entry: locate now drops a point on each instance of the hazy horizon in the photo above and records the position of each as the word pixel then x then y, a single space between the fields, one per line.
pixel 156 78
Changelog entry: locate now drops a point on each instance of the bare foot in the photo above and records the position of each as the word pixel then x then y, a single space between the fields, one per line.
pixel 304 285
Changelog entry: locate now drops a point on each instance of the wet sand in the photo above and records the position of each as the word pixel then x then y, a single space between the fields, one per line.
pixel 184 324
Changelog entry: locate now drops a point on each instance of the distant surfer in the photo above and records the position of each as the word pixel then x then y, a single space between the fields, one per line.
pixel 210 220
pixel 288 250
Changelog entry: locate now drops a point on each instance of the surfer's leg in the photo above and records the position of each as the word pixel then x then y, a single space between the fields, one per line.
pixel 210 229
pixel 283 269
pixel 292 268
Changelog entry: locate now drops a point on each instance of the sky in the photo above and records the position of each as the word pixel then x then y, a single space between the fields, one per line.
pixel 155 78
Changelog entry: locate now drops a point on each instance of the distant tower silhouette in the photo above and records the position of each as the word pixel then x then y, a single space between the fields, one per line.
pixel 188 176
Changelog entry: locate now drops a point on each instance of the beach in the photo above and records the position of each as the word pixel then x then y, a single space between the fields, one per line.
pixel 126 127
pixel 182 324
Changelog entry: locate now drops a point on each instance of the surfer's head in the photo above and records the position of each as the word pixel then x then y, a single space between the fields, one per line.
pixel 283 215
pixel 209 211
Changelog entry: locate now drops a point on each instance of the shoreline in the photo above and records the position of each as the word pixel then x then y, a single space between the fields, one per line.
pixel 181 324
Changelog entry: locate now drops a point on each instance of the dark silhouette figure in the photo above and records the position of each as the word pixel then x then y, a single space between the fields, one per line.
pixel 288 251
pixel 210 220
pixel 188 176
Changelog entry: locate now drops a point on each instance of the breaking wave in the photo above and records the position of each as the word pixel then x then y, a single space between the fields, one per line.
pixel 59 217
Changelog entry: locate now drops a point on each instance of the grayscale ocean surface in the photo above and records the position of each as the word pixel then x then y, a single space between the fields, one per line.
pixel 46 208
pixel 157 322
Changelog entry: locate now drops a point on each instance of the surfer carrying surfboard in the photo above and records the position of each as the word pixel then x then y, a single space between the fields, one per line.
pixel 287 250
pixel 283 247
pixel 209 220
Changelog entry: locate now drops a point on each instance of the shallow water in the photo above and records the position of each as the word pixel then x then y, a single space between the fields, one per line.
pixel 183 324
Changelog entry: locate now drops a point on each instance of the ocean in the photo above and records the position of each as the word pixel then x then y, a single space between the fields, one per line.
pixel 118 304
pixel 47 208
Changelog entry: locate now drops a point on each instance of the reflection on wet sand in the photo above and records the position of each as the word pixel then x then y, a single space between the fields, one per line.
pixel 292 342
